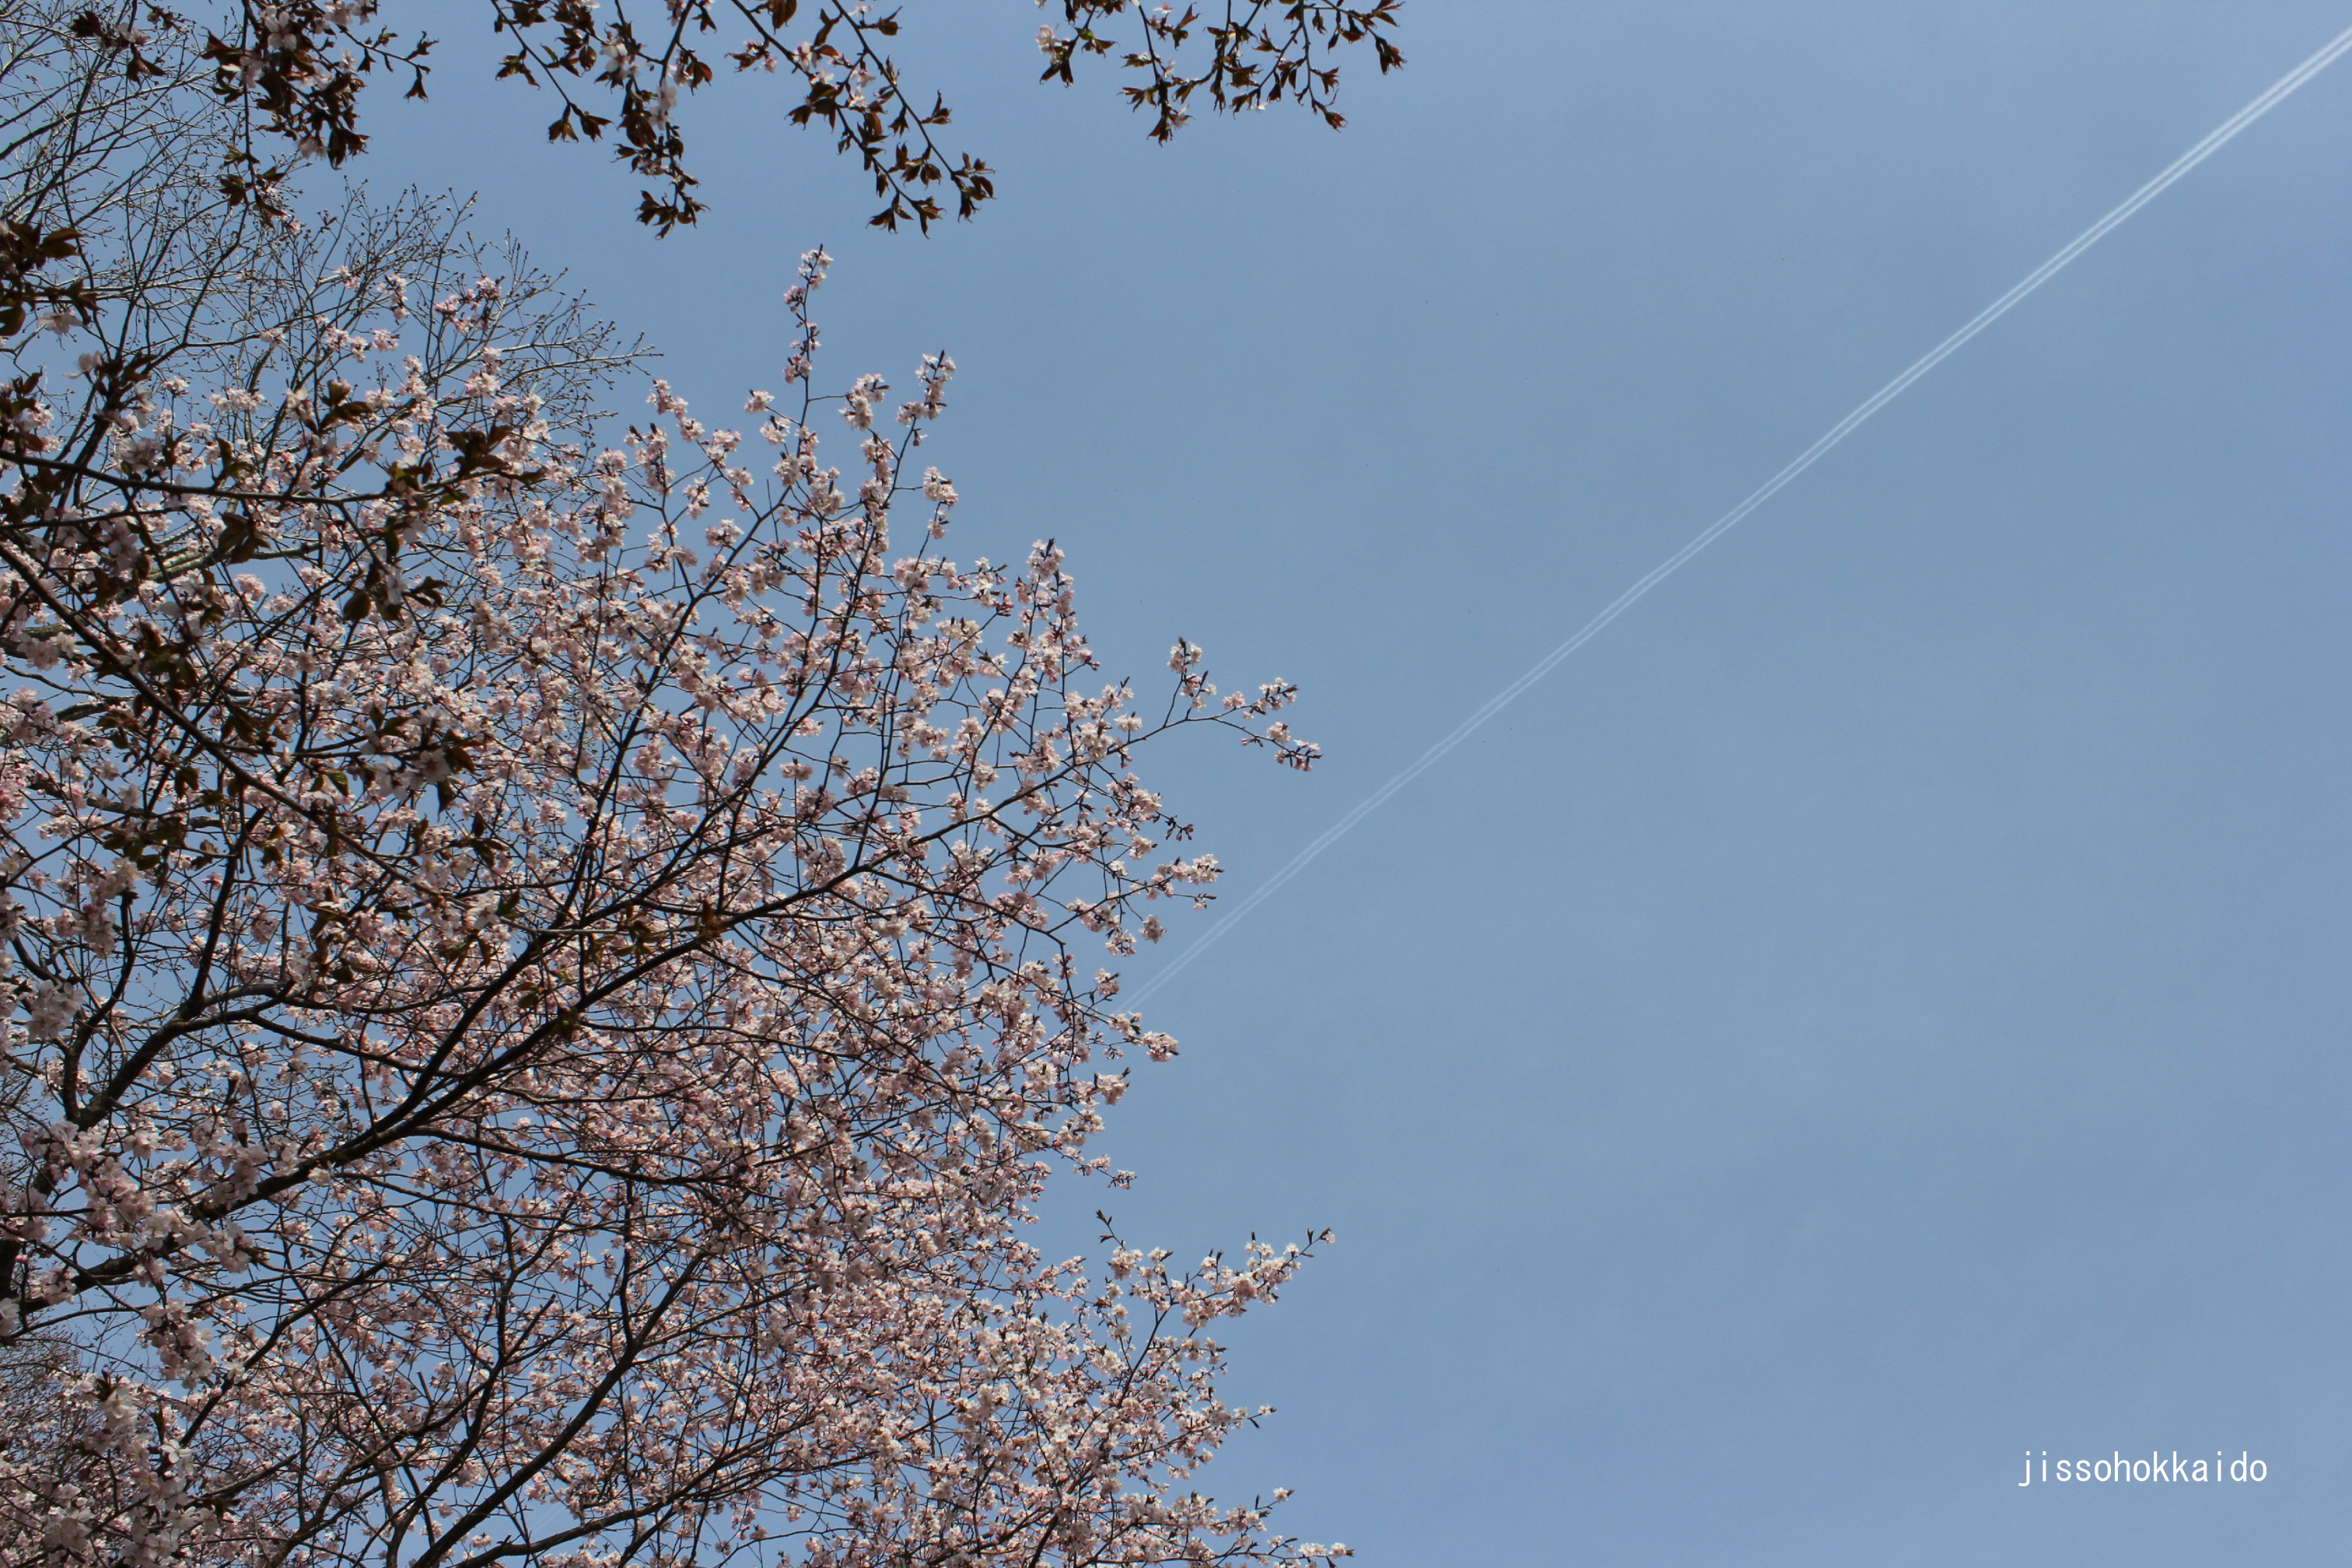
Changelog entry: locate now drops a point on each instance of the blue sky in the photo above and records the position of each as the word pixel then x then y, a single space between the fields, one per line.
pixel 1878 1010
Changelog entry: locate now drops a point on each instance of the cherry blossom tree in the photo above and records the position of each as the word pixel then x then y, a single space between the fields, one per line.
pixel 304 64
pixel 547 963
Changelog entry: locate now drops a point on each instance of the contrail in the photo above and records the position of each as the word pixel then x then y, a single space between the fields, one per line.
pixel 2277 93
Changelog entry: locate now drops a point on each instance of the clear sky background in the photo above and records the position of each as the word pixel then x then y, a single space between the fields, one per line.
pixel 1882 1007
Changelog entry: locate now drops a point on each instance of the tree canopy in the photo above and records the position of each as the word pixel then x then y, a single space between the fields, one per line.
pixel 547 957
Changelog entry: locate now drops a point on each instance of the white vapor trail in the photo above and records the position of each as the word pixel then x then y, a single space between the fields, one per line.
pixel 2277 93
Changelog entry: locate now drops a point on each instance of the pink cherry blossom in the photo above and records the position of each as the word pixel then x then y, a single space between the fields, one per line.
pixel 551 962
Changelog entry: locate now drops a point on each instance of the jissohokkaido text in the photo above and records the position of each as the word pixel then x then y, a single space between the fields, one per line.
pixel 2042 1471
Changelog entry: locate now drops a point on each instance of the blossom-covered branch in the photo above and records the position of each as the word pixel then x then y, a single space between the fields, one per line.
pixel 303 64
pixel 549 962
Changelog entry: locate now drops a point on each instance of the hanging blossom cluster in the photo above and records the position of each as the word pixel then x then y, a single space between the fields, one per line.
pixel 300 67
pixel 543 980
